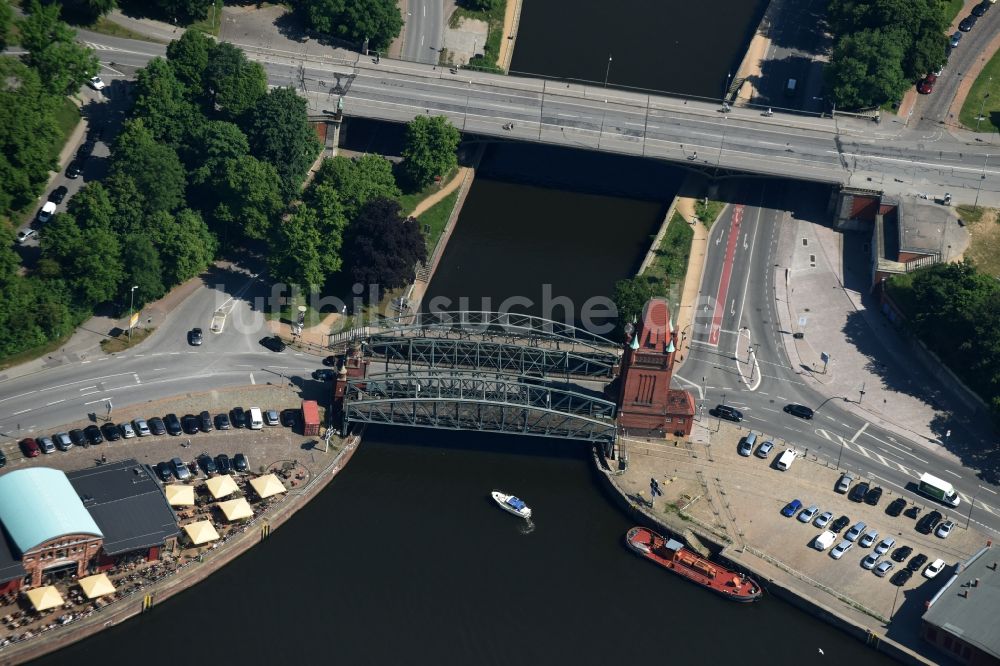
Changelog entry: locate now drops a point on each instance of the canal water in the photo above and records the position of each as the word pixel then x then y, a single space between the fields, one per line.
pixel 404 559
pixel 676 46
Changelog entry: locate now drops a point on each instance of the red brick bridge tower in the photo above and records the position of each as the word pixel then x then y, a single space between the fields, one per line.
pixel 646 403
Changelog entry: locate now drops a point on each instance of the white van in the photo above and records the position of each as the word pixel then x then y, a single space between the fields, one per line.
pixel 824 540
pixel 786 459
pixel 256 418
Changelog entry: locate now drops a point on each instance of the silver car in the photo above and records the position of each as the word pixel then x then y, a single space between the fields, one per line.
pixel 764 449
pixel 944 529
pixel 868 539
pixel 855 532
pixel 808 514
pixel 127 431
pixel 141 427
pixel 884 545
pixel 884 568
pixel 870 560
pixel 823 519
pixel 63 442
pixel 840 549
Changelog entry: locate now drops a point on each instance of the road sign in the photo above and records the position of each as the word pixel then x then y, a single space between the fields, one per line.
pixel 133 320
pixel 823 356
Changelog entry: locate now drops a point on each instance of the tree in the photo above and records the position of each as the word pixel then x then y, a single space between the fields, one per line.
pixel 866 69
pixel 88 259
pixel 298 259
pixel 29 135
pixel 631 296
pixel 6 21
pixel 430 148
pixel 479 5
pixel 248 195
pixel 85 12
pixel 279 133
pixel 161 102
pixel 383 249
pixel 153 166
pixel 143 268
pixel 184 11
pixel 189 56
pixel 185 244
pixel 233 83
pixel 62 63
pixel 214 143
pixel 358 180
pixel 378 21
pixel 330 221
pixel 91 206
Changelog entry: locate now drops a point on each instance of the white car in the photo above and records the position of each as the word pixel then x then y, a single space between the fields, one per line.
pixel 823 519
pixel 808 514
pixel 884 545
pixel 934 568
pixel 127 431
pixel 96 83
pixel 944 529
pixel 868 539
pixel 882 569
pixel 841 548
pixel 25 234
pixel 47 211
pixel 870 560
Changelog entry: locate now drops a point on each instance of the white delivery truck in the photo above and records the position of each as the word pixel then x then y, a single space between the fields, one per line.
pixel 939 489
pixel 824 540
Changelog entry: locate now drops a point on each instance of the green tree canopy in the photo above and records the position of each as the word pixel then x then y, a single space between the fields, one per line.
pixel 383 249
pixel 378 21
pixel 189 57
pixel 866 69
pixel 63 64
pixel 430 148
pixel 298 257
pixel 249 198
pixel 185 244
pixel 233 83
pixel 6 21
pixel 143 269
pixel 85 12
pixel 153 166
pixel 88 259
pixel 91 206
pixel 214 143
pixel 358 180
pixel 279 133
pixel 161 102
pixel 631 295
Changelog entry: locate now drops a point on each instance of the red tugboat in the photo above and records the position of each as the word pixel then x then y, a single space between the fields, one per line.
pixel 672 555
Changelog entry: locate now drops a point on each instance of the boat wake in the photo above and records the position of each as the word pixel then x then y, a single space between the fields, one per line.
pixel 528 527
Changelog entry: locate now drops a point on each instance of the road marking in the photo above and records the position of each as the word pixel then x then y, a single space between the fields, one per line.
pixel 768 409
pixel 90 392
pixel 858 433
pixel 94 402
pixel 137 355
pixel 55 402
pixel 898 448
pixel 18 396
pixel 727 274
pixel 158 369
pixel 987 490
pixel 23 411
pixel 957 476
pixel 252 380
pixel 84 362
pixel 136 377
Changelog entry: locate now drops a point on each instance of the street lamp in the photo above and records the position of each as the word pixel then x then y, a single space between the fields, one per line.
pixel 131 301
pixel 607 71
pixel 861 393
pixel 981 179
pixel 968 519
pixel 982 106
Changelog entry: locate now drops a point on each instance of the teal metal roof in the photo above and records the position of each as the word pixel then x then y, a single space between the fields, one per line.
pixel 38 504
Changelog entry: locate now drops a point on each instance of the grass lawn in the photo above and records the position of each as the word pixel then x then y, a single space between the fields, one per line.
pixel 951 9
pixel 409 201
pixel 984 246
pixel 211 23
pixel 988 83
pixel 900 287
pixel 36 352
pixel 670 264
pixel 122 341
pixel 434 219
pixel 491 50
pixel 106 26
pixel 709 212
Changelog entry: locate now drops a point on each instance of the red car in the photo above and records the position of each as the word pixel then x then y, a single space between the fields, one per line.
pixel 926 86
pixel 30 448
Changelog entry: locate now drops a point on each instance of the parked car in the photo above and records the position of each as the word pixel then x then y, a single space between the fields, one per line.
pixel 823 519
pixel 181 470
pixel 96 83
pixel 46 445
pixel 205 422
pixel 917 562
pixel 956 37
pixel 330 360
pixel 323 375
pixel 238 417
pixel 900 577
pixel 870 560
pixel 926 84
pixel 111 432
pixel 74 169
pixel 981 9
pixel 844 483
pixel 29 447
pixel 77 437
pixel 868 538
pixel 927 524
pixel 3 459
pixel 195 337
pixel 968 23
pixel 271 417
pixel 873 496
pixel 944 529
pixel 24 234
pixel 222 464
pixel 791 508
pixel 855 532
pixel 240 463
pixel 222 422
pixel 47 211
pixel 173 424
pixel 840 524
pixel 207 464
pixel 189 424
pixel 745 446
pixel 164 471
pixel 726 412
pixel 289 417
pixel 274 343
pixel 156 426
pixel 127 431
pixel 86 149
pixel 62 440
pixel 840 549
pixel 141 427
pixel 800 411
pixel 57 195
pixel 896 507
pixel 764 449
pixel 93 434
pixel 882 569
pixel 858 492
pixel 884 545
pixel 934 568
pixel 808 514
pixel 901 553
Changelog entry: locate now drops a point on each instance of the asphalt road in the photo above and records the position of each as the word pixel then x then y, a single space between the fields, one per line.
pixel 423 32
pixel 861 153
pixel 748 251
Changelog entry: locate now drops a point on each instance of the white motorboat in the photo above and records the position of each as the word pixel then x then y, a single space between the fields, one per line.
pixel 512 504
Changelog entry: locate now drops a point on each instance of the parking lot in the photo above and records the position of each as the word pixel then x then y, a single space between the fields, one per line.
pixel 743 497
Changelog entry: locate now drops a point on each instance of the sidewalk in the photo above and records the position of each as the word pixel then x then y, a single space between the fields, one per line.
pixel 692 279
pixel 157 30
